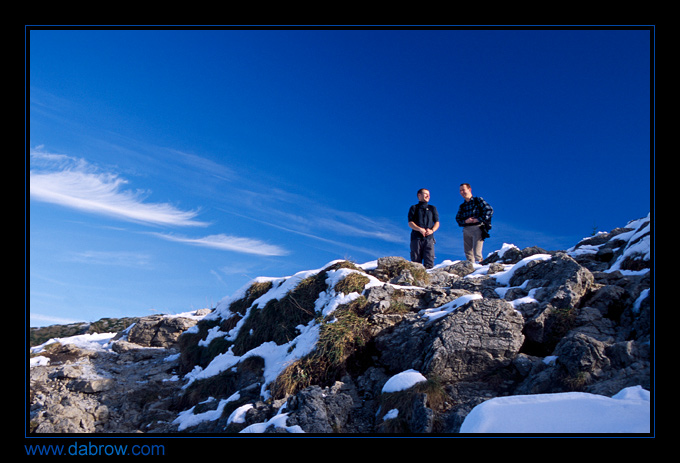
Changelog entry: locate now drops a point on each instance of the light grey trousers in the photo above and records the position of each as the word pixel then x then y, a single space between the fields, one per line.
pixel 472 243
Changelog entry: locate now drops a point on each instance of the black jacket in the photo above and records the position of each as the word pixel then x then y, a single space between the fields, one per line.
pixel 424 215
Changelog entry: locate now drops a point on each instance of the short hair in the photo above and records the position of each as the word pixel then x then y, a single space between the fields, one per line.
pixel 466 184
pixel 421 190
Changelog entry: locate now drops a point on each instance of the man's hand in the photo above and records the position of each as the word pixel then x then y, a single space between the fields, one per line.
pixel 424 231
pixel 471 220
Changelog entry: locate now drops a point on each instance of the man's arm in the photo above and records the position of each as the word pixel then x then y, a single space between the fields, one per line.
pixel 411 223
pixel 415 227
pixel 460 220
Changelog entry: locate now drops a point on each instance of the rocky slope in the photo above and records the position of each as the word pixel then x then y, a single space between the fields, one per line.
pixel 312 352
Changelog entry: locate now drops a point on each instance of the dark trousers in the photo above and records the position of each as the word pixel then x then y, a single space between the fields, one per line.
pixel 422 251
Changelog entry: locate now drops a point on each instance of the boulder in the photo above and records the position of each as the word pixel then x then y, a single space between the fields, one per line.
pixel 320 410
pixel 560 281
pixel 471 342
pixel 159 330
pixel 474 341
pixel 512 255
pixel 399 271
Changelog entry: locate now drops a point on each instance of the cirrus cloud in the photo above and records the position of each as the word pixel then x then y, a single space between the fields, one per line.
pixel 62 180
pixel 229 243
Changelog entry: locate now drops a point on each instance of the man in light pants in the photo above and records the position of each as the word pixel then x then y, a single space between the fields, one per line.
pixel 474 214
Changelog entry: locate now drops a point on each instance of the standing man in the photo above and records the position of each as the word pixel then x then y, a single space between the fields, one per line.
pixel 474 215
pixel 423 219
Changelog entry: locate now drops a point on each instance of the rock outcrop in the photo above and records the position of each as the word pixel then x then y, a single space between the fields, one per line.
pixel 126 388
pixel 311 353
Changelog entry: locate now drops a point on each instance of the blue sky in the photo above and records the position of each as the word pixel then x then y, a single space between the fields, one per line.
pixel 168 168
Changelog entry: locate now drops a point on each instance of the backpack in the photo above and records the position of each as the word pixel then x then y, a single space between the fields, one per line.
pixel 486 225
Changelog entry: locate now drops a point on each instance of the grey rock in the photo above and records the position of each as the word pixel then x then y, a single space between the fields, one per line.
pixel 159 331
pixel 477 338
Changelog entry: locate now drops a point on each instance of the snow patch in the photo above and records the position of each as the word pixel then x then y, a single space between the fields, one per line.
pixel 434 314
pixel 402 381
pixel 567 412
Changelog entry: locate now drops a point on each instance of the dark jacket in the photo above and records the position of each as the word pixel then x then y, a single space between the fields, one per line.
pixel 424 215
pixel 477 208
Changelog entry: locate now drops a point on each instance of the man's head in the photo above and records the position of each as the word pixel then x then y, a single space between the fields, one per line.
pixel 466 191
pixel 423 195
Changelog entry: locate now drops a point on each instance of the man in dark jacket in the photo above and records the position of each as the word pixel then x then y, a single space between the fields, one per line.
pixel 423 219
pixel 474 214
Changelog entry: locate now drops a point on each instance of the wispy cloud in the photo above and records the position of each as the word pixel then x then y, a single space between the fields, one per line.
pixel 203 165
pixel 122 258
pixel 229 243
pixel 316 218
pixel 334 243
pixel 36 317
pixel 73 183
pixel 352 224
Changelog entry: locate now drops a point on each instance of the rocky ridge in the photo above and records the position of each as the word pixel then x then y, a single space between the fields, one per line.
pixel 311 353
